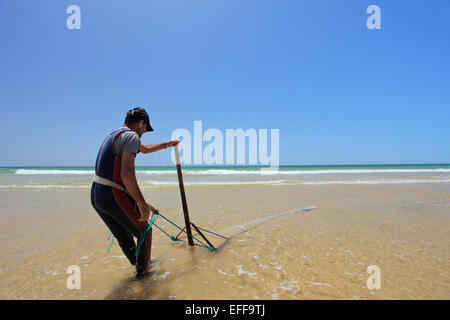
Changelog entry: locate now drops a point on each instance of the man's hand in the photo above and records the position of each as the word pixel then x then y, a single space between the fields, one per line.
pixel 172 143
pixel 144 209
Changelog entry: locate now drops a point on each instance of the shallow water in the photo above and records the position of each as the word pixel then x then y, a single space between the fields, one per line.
pixel 276 251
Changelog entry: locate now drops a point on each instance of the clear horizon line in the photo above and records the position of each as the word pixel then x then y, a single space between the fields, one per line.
pixel 235 165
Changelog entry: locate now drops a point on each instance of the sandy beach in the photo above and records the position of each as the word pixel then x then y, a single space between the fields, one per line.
pixel 312 135
pixel 276 251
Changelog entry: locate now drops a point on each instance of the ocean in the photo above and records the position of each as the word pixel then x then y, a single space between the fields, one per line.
pixel 311 233
pixel 150 177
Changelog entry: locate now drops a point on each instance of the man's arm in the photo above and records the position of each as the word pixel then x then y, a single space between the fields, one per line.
pixel 128 176
pixel 149 148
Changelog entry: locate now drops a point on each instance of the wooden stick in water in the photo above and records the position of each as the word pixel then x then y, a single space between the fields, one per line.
pixel 183 197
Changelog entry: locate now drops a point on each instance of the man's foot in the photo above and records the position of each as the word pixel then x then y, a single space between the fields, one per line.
pixel 141 275
pixel 140 271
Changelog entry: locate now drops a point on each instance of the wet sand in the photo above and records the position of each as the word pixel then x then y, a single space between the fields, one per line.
pixel 319 253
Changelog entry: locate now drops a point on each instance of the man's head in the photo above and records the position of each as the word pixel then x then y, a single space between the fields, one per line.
pixel 137 120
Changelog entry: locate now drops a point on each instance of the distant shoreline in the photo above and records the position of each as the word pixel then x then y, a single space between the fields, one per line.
pixel 245 166
pixel 162 176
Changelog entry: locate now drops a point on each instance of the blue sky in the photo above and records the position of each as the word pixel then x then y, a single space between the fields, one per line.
pixel 338 92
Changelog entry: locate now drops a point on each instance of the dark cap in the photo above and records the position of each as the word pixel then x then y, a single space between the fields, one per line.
pixel 139 114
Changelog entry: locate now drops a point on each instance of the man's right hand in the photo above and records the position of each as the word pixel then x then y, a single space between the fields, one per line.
pixel 145 209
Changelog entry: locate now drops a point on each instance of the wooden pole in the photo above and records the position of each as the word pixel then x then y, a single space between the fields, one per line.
pixel 183 197
pixel 202 235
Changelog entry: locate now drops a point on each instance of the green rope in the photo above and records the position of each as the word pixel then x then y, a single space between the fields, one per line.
pixel 112 240
pixel 172 237
pixel 148 226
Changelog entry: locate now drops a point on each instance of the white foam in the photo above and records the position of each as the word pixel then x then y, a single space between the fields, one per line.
pixel 214 183
pixel 34 186
pixel 221 272
pixel 237 172
pixel 308 172
pixel 54 172
pixel 159 172
pixel 241 271
pixel 320 284
pixel 150 184
pixel 377 181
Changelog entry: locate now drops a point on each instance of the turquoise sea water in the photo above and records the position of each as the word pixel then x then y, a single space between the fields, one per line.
pixel 81 177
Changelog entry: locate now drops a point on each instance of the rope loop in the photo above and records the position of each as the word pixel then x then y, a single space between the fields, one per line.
pixel 148 225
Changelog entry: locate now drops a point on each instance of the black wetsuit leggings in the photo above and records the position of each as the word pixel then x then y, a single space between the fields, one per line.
pixel 120 213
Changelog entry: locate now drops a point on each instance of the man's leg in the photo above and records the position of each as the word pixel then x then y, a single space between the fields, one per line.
pixel 130 218
pixel 143 259
pixel 123 236
pixel 121 212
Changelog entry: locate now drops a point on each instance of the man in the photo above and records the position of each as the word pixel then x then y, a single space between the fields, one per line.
pixel 115 193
